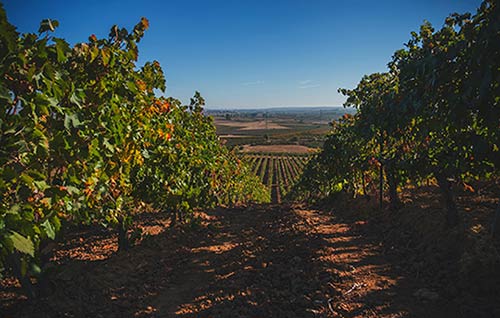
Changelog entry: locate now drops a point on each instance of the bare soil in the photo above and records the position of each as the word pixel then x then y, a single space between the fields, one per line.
pixel 256 261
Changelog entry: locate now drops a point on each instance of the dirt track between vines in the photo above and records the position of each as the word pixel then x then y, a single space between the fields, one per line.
pixel 261 261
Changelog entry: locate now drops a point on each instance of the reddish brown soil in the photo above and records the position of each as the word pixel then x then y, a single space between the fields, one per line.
pixel 263 261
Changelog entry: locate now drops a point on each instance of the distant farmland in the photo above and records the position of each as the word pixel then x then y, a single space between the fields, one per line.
pixel 276 126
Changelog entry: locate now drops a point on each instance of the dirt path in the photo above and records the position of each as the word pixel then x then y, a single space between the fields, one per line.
pixel 269 261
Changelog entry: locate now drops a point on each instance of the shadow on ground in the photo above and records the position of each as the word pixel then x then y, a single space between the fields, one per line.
pixel 259 261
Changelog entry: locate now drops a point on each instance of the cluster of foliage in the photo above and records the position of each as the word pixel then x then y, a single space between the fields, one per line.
pixel 434 114
pixel 84 139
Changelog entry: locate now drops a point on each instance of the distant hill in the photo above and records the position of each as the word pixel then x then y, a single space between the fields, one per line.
pixel 309 113
pixel 284 109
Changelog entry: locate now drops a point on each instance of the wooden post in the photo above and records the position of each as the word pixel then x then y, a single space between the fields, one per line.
pixel 495 227
pixel 452 215
pixel 381 172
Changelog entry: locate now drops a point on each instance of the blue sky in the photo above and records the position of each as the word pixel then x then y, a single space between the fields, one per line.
pixel 250 54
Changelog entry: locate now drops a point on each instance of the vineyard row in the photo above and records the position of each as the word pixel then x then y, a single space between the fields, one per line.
pixel 278 172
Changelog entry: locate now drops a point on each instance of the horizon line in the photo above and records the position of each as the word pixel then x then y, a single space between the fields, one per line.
pixel 212 107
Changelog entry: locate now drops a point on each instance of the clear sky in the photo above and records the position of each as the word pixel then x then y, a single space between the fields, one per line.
pixel 250 53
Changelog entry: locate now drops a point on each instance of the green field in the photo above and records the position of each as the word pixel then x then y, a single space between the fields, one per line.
pixel 278 172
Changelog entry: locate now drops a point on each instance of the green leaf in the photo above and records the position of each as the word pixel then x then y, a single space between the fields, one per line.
pixel 94 52
pixel 49 229
pixel 56 223
pixel 41 185
pixel 22 244
pixel 27 179
pixel 75 99
pixel 35 269
pixel 73 190
pixel 132 86
pixel 14 209
pixel 105 56
pixel 35 174
pixel 108 145
pixel 62 48
pixel 24 267
pixel 71 121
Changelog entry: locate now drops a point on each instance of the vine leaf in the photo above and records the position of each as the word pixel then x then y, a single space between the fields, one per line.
pixel 49 229
pixel 22 244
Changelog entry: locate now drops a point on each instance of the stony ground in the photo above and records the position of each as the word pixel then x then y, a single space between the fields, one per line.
pixel 258 261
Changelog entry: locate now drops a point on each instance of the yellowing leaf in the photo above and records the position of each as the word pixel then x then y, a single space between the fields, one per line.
pixel 145 23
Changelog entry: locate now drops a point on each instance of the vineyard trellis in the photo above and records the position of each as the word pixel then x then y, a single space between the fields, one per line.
pixel 434 114
pixel 86 140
